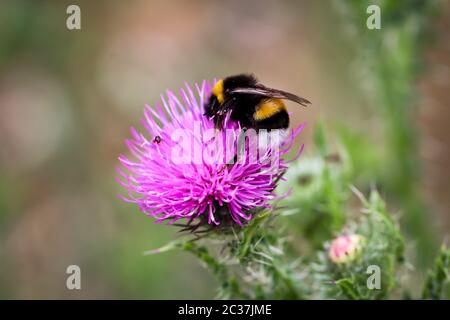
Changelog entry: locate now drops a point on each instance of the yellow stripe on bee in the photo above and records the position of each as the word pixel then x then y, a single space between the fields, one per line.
pixel 218 91
pixel 268 108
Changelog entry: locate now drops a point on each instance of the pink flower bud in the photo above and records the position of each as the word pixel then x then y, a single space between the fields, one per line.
pixel 344 249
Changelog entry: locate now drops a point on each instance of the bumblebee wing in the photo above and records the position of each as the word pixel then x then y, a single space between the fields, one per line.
pixel 262 90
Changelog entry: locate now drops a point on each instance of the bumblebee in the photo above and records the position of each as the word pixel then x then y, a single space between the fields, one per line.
pixel 251 104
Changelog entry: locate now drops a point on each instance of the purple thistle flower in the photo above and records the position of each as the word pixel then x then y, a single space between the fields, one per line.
pixel 189 170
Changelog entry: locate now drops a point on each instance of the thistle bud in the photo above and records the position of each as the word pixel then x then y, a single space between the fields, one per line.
pixel 346 248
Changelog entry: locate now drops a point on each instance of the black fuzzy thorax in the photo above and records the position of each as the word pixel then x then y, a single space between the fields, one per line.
pixel 245 104
pixel 239 81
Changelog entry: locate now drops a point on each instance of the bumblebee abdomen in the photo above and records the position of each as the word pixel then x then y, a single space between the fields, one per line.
pixel 279 120
pixel 268 108
pixel 271 114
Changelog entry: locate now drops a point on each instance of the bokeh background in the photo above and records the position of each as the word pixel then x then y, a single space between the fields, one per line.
pixel 68 99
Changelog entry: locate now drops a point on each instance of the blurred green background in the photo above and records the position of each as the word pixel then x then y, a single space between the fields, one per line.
pixel 68 98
